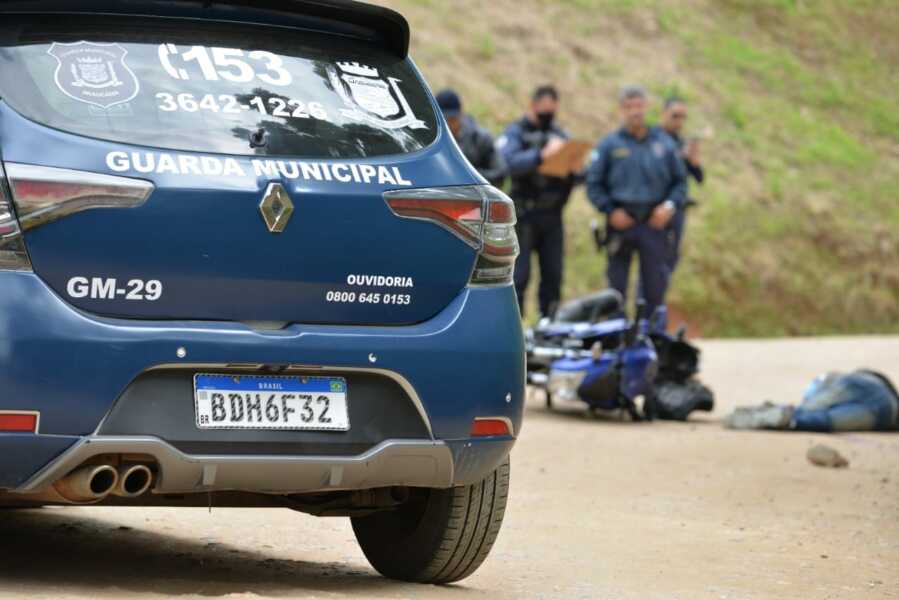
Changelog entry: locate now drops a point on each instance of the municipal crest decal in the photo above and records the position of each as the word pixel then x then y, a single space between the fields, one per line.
pixel 369 98
pixel 94 73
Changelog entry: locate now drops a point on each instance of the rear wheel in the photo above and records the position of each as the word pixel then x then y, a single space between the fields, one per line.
pixel 439 536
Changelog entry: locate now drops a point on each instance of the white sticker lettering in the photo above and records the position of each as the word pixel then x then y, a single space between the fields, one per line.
pixel 106 288
pixel 163 163
pixel 78 287
pixel 275 107
pixel 380 281
pixel 118 161
pixel 230 64
pixel 372 298
pixel 103 289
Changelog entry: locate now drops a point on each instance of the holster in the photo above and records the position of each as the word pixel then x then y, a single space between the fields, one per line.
pixel 600 233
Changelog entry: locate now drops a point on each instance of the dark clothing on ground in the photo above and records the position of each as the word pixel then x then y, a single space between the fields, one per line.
pixel 637 176
pixel 539 201
pixel 478 147
pixel 544 234
pixel 859 401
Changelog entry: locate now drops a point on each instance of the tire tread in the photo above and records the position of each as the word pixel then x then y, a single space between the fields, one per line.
pixel 452 540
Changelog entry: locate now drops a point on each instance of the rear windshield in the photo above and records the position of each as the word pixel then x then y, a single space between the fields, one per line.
pixel 220 88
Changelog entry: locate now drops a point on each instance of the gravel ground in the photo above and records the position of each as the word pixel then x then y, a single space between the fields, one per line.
pixel 598 510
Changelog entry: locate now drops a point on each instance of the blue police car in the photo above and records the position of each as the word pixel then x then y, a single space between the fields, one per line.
pixel 243 264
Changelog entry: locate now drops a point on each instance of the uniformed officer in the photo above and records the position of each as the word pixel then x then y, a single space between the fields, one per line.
pixel 638 180
pixel 475 142
pixel 539 199
pixel 673 119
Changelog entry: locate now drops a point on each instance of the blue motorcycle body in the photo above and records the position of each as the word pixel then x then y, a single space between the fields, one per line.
pixel 606 365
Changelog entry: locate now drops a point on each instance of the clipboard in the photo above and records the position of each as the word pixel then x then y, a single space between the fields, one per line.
pixel 570 159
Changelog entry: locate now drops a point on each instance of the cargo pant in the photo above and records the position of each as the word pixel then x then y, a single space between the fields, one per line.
pixel 653 249
pixel 544 233
pixel 676 232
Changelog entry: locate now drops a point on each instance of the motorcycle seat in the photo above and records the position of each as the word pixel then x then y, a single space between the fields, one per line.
pixel 591 309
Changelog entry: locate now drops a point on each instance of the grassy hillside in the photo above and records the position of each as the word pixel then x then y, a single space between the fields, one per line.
pixel 798 229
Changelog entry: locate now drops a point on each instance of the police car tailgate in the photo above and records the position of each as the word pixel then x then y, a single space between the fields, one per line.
pixel 245 240
pixel 179 174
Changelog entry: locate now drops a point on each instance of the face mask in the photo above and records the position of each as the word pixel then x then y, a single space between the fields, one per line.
pixel 545 120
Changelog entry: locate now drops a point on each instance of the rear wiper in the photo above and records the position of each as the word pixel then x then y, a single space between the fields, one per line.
pixel 259 138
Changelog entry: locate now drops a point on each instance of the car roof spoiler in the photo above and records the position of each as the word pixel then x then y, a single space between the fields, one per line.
pixel 368 22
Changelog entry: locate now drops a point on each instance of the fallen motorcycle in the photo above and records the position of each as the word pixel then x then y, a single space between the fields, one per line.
pixel 591 353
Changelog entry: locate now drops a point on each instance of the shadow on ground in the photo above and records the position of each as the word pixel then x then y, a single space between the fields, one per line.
pixel 572 411
pixel 58 548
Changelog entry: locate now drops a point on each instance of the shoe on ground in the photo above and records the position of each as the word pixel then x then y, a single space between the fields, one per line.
pixel 766 416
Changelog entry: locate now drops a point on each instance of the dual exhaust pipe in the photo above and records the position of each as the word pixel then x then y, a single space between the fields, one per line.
pixel 92 483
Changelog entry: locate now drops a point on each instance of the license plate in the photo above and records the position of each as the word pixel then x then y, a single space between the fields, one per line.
pixel 271 402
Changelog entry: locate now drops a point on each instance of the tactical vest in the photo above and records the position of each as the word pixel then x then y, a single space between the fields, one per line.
pixel 536 192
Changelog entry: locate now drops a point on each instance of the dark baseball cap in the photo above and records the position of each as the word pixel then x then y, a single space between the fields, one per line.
pixel 449 103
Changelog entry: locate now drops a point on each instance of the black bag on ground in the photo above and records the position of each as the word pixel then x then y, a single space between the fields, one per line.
pixel 677 392
pixel 675 401
pixel 678 358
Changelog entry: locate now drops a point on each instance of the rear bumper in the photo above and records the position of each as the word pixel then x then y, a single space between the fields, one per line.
pixel 72 368
pixel 414 463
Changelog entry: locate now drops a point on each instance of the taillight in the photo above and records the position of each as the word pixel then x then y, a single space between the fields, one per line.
pixel 13 256
pixel 496 261
pixel 45 194
pixel 480 215
pixel 19 421
pixel 491 426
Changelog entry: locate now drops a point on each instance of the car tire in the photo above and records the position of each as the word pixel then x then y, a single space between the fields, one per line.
pixel 441 535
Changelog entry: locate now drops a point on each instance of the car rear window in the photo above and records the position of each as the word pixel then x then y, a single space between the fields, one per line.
pixel 205 87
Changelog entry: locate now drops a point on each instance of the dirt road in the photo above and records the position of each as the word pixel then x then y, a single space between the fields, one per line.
pixel 598 510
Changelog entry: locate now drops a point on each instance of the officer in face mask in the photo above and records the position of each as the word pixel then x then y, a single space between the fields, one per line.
pixel 539 199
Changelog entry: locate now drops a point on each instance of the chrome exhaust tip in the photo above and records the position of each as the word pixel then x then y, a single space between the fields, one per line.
pixel 133 481
pixel 88 484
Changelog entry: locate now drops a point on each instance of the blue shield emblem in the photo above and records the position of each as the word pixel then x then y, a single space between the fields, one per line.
pixel 95 74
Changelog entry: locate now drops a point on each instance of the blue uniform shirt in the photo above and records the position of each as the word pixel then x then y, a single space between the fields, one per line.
pixel 636 174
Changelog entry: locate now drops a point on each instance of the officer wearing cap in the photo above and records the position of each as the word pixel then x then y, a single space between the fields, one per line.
pixel 638 180
pixel 475 142
pixel 539 199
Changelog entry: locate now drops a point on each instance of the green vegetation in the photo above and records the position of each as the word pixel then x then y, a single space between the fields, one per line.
pixel 798 228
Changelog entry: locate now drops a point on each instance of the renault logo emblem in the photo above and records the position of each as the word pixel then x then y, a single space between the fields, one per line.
pixel 276 207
